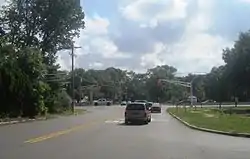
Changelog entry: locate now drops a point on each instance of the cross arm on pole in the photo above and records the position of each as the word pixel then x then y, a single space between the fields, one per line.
pixel 185 84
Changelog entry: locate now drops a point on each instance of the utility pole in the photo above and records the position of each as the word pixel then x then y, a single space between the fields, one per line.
pixel 191 94
pixel 191 91
pixel 91 95
pixel 73 74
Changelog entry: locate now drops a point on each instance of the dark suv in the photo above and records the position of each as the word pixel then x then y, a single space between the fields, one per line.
pixel 148 104
pixel 137 112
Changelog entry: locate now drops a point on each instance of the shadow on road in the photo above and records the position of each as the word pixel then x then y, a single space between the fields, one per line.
pixel 131 124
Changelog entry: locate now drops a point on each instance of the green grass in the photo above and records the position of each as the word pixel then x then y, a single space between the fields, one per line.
pixel 47 116
pixel 213 118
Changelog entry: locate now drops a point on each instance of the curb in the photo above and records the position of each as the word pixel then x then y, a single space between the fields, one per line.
pixel 21 121
pixel 246 135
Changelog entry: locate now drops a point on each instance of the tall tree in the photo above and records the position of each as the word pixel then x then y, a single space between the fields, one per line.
pixel 47 25
pixel 238 66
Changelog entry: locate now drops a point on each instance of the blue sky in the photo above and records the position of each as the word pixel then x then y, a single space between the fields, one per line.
pixel 140 34
pixel 106 8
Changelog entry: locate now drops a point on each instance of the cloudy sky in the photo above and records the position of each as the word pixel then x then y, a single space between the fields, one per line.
pixel 140 34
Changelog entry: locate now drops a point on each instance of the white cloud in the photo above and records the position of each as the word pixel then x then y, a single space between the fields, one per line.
pixel 187 34
pixel 95 41
pixel 149 12
pixel 199 52
pixel 64 60
pixel 97 25
pixel 247 1
pixel 96 65
pixel 196 50
pixel 2 2
pixel 202 20
pixel 105 47
pixel 153 59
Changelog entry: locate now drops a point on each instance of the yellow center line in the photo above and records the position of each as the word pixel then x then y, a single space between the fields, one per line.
pixel 59 133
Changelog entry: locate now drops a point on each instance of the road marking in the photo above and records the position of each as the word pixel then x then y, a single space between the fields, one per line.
pixel 120 121
pixel 59 133
pixel 115 121
pixel 64 132
pixel 161 120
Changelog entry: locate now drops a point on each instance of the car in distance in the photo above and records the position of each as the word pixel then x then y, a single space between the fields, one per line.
pixel 123 103
pixel 156 108
pixel 209 101
pixel 137 112
pixel 149 104
pixel 103 101
pixel 141 101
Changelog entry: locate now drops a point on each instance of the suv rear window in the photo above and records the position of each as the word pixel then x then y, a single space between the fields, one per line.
pixel 155 108
pixel 141 101
pixel 135 107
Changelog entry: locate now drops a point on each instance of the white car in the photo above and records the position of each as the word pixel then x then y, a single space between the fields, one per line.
pixel 103 101
pixel 123 103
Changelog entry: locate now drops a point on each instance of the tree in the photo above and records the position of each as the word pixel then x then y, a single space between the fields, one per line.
pixel 238 67
pixel 41 27
pixel 215 84
pixel 21 83
pixel 50 25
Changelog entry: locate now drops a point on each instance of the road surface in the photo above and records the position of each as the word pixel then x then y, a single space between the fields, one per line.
pixel 101 134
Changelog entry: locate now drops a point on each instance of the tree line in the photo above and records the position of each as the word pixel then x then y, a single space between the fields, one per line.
pixel 31 83
pixel 222 84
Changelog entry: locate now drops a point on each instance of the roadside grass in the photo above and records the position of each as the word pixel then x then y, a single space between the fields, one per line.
pixel 47 116
pixel 213 118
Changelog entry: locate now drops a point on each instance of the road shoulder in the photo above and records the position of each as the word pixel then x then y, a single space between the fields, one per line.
pixel 49 116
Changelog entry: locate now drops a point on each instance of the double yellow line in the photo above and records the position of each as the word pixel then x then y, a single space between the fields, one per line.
pixel 59 133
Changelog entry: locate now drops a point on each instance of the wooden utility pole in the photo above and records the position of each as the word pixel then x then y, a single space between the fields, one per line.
pixel 73 74
pixel 91 95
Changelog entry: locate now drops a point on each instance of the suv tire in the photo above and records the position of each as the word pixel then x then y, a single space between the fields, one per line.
pixel 149 120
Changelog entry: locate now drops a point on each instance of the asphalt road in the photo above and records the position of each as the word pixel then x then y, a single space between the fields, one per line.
pixel 101 134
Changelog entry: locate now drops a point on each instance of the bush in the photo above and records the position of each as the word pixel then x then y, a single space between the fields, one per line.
pixel 63 102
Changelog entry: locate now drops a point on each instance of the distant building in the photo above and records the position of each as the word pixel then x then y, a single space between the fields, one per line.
pixel 192 98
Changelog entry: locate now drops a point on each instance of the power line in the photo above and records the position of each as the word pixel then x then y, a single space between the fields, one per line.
pixel 53 74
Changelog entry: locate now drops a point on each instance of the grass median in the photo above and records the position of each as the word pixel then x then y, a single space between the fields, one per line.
pixel 211 118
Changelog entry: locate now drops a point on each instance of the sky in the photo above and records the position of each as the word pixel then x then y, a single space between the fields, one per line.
pixel 141 34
